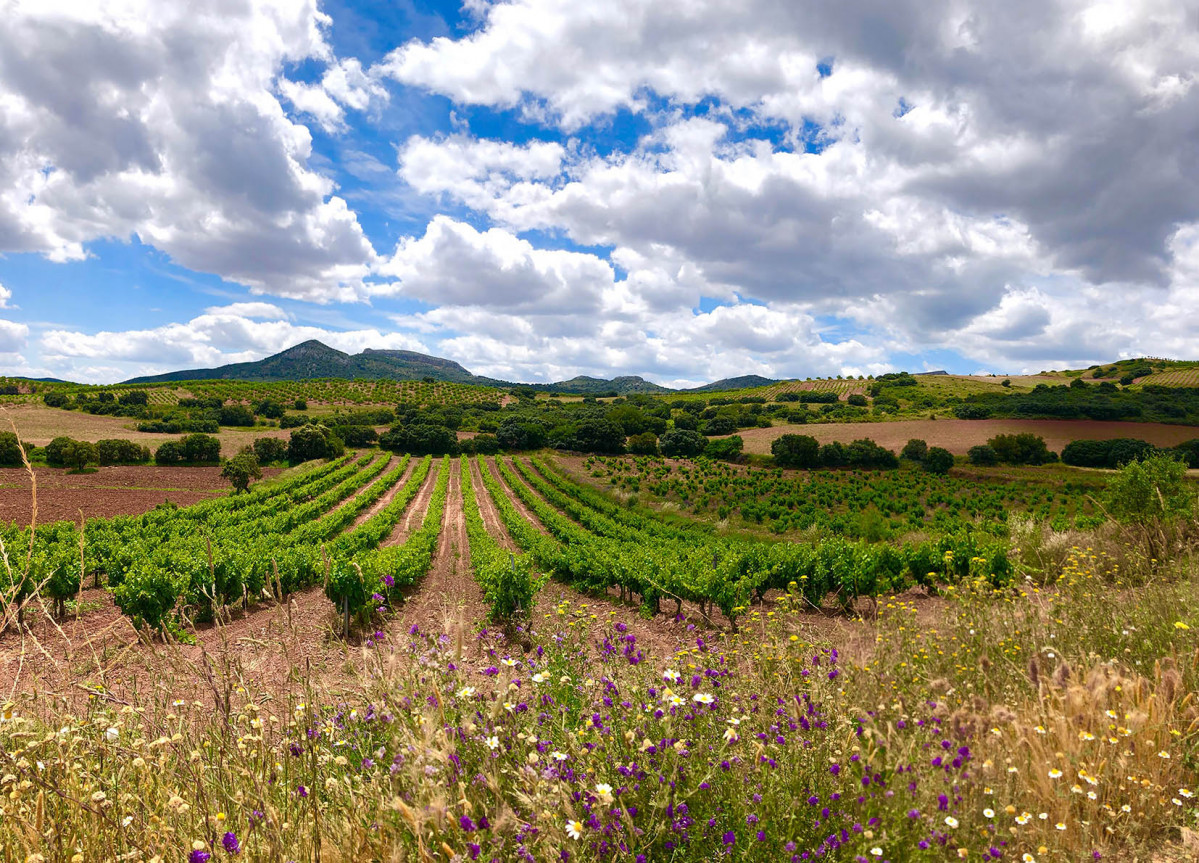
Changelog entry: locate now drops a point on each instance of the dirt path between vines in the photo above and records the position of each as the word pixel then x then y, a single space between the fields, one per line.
pixel 387 498
pixel 448 599
pixel 363 489
pixel 487 509
pixel 414 517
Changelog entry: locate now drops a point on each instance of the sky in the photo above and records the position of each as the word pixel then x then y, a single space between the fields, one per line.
pixel 681 189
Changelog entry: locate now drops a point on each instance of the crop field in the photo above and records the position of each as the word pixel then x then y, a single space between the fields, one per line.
pixel 390 656
pixel 958 436
pixel 1174 378
pixel 851 503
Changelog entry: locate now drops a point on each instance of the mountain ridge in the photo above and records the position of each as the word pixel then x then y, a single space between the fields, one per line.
pixel 315 359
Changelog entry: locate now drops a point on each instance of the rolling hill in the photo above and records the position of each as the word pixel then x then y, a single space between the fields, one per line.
pixel 314 359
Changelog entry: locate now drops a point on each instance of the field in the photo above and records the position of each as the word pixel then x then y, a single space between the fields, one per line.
pixel 39 424
pixel 958 436
pixel 397 657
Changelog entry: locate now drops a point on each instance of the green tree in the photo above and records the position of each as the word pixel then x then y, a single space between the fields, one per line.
pixel 915 450
pixel 645 443
pixel 1150 498
pixel 313 441
pixel 80 454
pixel 982 455
pixel 938 460
pixel 796 451
pixel 241 470
pixel 682 443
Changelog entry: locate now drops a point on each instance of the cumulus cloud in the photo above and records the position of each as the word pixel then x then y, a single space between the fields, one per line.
pixel 5 296
pixel 239 332
pixel 173 134
pixel 13 336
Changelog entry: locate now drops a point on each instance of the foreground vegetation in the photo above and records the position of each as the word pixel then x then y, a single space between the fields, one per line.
pixel 1028 723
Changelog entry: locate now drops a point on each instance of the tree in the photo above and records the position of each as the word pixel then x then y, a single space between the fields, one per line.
pixel 645 443
pixel 134 398
pixel 796 451
pixel 241 470
pixel 313 441
pixel 270 409
pixel 119 451
pixel 200 449
pixel 236 415
pixel 725 448
pixel 1150 497
pixel 915 450
pixel 170 453
pixel 55 400
pixel 682 443
pixel 56 451
pixel 300 404
pixel 865 453
pixel 857 400
pixel 269 450
pixel 80 454
pixel 1023 448
pixel 515 434
pixel 982 456
pixel 938 460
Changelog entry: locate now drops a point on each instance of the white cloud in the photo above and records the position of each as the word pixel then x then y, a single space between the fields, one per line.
pixel 13 336
pixel 5 296
pixel 240 332
pixel 159 120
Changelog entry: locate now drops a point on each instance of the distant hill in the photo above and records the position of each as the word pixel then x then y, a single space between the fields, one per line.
pixel 740 383
pixel 313 359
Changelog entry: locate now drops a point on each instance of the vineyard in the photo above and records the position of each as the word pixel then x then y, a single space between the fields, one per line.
pixel 850 503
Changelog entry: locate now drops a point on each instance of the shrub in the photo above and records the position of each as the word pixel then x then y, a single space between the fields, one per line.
pixel 938 460
pixel 300 405
pixel 682 443
pixel 645 443
pixel 292 421
pixel 79 454
pixel 725 448
pixel 795 451
pixel 787 397
pixel 120 451
pixel 826 397
pixel 857 400
pixel 516 434
pixel 313 441
pixel 269 450
pixel 236 415
pixel 134 398
pixel 865 453
pixel 10 451
pixel 686 421
pixel 915 450
pixel 200 449
pixel 169 453
pixel 241 470
pixel 356 435
pixel 719 425
pixel 56 451
pixel 56 400
pixel 484 444
pixel 1106 453
pixel 982 456
pixel 1023 448
pixel 833 455
pixel 270 409
pixel 420 439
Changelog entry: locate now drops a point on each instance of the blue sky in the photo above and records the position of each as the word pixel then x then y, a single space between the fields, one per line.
pixel 540 188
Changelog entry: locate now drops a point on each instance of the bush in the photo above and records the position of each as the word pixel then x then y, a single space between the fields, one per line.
pixel 55 400
pixel 56 451
pixel 119 451
pixel 833 455
pixel 169 453
pixel 134 398
pixel 682 443
pixel 796 451
pixel 827 397
pixel 645 443
pixel 294 421
pixel 313 441
pixel 720 425
pixel 686 421
pixel 1023 448
pixel 915 450
pixel 79 454
pixel 865 453
pixel 938 460
pixel 269 450
pixel 241 470
pixel 200 449
pixel 787 397
pixel 482 444
pixel 420 439
pixel 857 400
pixel 725 448
pixel 236 415
pixel 982 456
pixel 270 409
pixel 300 405
pixel 515 434
pixel 1106 453
pixel 10 451
pixel 591 435
pixel 356 435
pixel 972 412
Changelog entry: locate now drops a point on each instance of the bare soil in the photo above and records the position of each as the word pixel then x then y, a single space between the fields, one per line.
pixel 106 491
pixel 415 514
pixel 958 436
pixel 388 497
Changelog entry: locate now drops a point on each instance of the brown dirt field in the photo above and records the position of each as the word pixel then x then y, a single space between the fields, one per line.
pixel 387 498
pixel 516 501
pixel 415 513
pixel 487 509
pixel 958 436
pixel 108 491
pixel 39 425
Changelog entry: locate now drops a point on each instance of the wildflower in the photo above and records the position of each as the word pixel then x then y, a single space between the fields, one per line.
pixel 538 678
pixel 111 735
pixel 670 675
pixel 1178 624
pixel 1186 792
pixel 951 822
pixel 1054 773
pixel 466 692
pixel 558 756
pixel 511 663
pixel 1023 818
pixel 876 851
pixel 198 855
pixel 604 790
pixel 1163 754
pixel 493 742
pixel 729 838
pixel 988 813
pixel 1060 826
pixel 574 829
pixel 230 843
pixel 702 698
pixel 1040 729
pixel 1028 858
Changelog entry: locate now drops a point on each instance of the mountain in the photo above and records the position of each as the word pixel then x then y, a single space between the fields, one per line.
pixel 313 359
pixel 743 382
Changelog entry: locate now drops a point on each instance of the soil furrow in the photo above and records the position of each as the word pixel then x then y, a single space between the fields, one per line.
pixel 516 501
pixel 387 498
pixel 488 511
pixel 415 513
